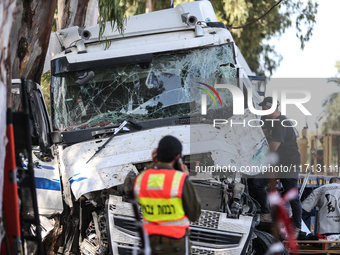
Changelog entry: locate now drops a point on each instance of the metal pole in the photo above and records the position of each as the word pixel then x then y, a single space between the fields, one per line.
pixel 303 185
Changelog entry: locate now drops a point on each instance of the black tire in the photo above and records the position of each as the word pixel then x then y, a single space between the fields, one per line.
pixel 263 241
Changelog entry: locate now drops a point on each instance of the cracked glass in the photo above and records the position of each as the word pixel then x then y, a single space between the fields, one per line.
pixel 106 96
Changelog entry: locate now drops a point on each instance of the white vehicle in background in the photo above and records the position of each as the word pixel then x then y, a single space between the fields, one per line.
pixel 150 77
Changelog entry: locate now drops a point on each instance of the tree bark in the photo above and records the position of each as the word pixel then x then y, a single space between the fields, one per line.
pixel 34 35
pixel 77 13
pixel 148 6
pixel 7 14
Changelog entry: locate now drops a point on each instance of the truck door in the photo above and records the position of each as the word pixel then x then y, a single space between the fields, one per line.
pixel 46 169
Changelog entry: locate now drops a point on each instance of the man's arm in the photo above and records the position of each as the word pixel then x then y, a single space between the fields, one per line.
pixel 273 145
pixel 191 202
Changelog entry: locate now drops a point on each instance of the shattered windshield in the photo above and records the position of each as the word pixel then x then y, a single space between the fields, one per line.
pixel 161 89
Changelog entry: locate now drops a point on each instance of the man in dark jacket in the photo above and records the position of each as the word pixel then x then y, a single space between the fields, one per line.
pixel 283 137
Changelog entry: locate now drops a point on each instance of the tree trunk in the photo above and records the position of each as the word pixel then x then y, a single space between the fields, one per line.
pixel 34 35
pixel 7 14
pixel 148 6
pixel 77 13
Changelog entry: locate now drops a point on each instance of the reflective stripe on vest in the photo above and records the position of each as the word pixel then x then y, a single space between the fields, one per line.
pixel 181 222
pixel 159 192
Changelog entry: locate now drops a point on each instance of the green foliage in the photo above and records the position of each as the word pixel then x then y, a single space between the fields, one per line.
pixel 253 39
pixel 110 11
pixel 332 105
pixel 337 65
pixel 336 78
pixel 332 122
pixel 45 87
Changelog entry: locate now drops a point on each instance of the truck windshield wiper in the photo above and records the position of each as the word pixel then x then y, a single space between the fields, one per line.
pixel 136 125
pixel 106 131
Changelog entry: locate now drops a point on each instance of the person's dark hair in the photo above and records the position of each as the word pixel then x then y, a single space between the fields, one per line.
pixel 319 152
pixel 268 101
pixel 168 148
pixel 334 180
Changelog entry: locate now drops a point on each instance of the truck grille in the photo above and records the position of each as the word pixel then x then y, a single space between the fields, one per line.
pixel 200 236
pixel 125 251
pixel 213 238
pixel 201 252
pixel 126 224
pixel 208 219
pixel 129 251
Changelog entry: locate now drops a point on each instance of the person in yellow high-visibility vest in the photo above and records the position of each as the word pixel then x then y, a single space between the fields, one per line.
pixel 168 200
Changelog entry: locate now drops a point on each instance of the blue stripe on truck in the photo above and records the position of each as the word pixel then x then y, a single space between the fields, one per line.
pixel 43 183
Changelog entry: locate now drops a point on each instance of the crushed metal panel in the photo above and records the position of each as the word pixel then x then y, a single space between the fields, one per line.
pixel 113 163
pixel 67 196
pixel 47 180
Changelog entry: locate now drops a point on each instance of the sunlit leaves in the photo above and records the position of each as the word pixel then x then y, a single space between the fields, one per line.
pixel 332 105
pixel 110 11
pixel 332 122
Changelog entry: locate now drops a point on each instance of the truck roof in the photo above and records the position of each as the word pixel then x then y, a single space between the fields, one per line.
pixel 182 27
